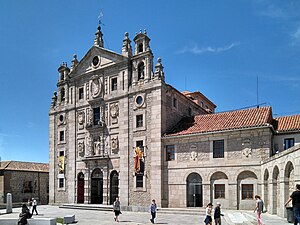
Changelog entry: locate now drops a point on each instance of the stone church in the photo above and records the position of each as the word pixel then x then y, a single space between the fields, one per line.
pixel 118 129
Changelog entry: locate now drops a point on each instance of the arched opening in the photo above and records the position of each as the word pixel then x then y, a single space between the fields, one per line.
pixel 80 188
pixel 97 187
pixel 141 71
pixel 114 186
pixel 276 187
pixel 266 188
pixel 140 48
pixel 246 187
pixel 62 95
pixel 219 188
pixel 194 190
pixel 289 183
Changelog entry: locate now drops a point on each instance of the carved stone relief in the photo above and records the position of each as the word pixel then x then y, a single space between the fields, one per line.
pixel 81 119
pixel 203 156
pixel 96 86
pixel 90 117
pixel 90 146
pixel 81 148
pixel 194 155
pixel 247 148
pixel 114 143
pixel 114 113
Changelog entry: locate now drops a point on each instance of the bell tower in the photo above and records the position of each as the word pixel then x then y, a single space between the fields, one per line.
pixel 142 59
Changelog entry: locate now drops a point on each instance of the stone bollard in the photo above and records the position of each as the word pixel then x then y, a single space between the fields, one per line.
pixel 8 203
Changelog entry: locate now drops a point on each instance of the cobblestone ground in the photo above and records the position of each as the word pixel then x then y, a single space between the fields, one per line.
pixel 94 217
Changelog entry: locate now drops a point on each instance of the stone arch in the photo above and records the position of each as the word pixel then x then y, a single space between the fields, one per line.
pixel 114 186
pixel 194 190
pixel 266 187
pixel 289 180
pixel 276 187
pixel 80 187
pixel 219 188
pixel 97 186
pixel 141 71
pixel 246 187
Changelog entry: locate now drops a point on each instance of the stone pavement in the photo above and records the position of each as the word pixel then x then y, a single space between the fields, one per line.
pixel 94 217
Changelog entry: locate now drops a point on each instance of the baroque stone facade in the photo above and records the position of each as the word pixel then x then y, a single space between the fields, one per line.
pixel 117 129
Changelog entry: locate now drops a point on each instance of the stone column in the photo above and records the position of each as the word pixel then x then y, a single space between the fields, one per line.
pixel 232 195
pixel 206 193
pixel 8 203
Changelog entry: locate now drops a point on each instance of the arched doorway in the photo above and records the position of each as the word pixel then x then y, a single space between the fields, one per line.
pixel 114 186
pixel 289 181
pixel 80 188
pixel 194 190
pixel 97 187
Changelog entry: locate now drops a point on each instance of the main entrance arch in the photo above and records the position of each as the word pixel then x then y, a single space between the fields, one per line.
pixel 97 187
pixel 194 190
pixel 80 188
pixel 114 186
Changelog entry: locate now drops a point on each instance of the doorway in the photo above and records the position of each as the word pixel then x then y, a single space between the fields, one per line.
pixel 97 187
pixel 80 188
pixel 114 186
pixel 194 190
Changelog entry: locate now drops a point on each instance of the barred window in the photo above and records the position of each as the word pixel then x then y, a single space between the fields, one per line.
pixel 61 183
pixel 139 121
pixel 247 191
pixel 219 191
pixel 218 149
pixel 170 152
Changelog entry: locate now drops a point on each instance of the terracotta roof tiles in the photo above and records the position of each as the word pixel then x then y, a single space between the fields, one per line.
pixel 288 123
pixel 24 166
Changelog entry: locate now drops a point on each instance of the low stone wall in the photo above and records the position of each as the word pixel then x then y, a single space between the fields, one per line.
pixel 34 221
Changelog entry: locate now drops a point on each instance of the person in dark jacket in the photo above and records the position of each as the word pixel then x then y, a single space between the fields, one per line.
pixel 24 215
pixel 218 214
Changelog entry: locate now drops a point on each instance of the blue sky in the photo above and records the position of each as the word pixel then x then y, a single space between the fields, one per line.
pixel 216 47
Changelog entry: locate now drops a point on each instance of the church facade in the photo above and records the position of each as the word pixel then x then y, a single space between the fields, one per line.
pixel 118 129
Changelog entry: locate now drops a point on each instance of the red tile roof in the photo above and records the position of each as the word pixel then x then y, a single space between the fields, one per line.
pixel 253 117
pixel 24 166
pixel 288 123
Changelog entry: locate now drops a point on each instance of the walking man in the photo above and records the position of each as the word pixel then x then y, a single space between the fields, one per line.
pixel 34 205
pixel 117 209
pixel 218 214
pixel 153 208
pixel 295 198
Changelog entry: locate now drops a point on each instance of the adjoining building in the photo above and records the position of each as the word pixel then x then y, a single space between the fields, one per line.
pixel 118 129
pixel 24 180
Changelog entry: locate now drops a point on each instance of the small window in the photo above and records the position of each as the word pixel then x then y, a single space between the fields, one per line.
pixel 140 144
pixel 247 191
pixel 61 153
pixel 114 84
pixel 218 149
pixel 170 152
pixel 62 95
pixel 140 48
pixel 61 182
pixel 219 191
pixel 139 180
pixel 141 71
pixel 27 187
pixel 62 136
pixel 81 95
pixel 288 143
pixel 96 112
pixel 139 121
pixel 202 104
pixel 175 102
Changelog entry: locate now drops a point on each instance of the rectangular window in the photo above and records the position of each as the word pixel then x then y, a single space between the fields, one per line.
pixel 96 113
pixel 218 149
pixel 27 187
pixel 114 84
pixel 288 143
pixel 170 152
pixel 247 191
pixel 219 191
pixel 61 153
pixel 81 93
pixel 139 121
pixel 61 136
pixel 61 183
pixel 139 180
pixel 140 144
pixel 175 102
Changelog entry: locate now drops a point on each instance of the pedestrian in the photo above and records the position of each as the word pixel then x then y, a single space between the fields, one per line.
pixel 153 208
pixel 24 215
pixel 34 205
pixel 295 198
pixel 218 214
pixel 208 211
pixel 117 209
pixel 29 204
pixel 259 206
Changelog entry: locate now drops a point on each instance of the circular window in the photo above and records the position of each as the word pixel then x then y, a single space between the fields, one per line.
pixel 139 100
pixel 96 61
pixel 61 118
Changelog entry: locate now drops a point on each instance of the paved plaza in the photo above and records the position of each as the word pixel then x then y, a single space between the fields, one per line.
pixel 93 217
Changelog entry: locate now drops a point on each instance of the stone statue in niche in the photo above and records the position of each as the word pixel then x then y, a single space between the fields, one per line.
pixel 114 143
pixel 97 147
pixel 114 113
pixel 81 148
pixel 90 118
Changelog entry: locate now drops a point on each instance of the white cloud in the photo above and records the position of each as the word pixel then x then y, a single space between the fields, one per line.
pixel 209 49
pixel 273 12
pixel 296 35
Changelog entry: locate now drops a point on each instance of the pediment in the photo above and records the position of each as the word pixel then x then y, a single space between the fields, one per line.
pixel 97 58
